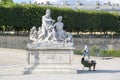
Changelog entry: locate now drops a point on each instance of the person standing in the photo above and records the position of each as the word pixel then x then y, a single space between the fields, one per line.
pixel 86 52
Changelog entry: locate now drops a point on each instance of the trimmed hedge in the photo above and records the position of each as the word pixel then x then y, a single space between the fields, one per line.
pixel 102 53
pixel 79 52
pixel 114 53
pixel 22 17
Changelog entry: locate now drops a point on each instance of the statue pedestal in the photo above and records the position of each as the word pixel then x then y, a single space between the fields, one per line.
pixel 50 60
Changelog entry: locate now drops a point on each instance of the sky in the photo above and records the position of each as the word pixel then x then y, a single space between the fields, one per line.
pixel 69 1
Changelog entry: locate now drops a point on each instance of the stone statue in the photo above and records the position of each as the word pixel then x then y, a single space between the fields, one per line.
pixel 58 32
pixel 39 31
pixel 46 23
pixel 59 29
pixel 50 32
pixel 33 34
pixel 69 39
pixel 51 45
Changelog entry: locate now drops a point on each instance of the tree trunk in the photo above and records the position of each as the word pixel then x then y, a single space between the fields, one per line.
pixel 77 34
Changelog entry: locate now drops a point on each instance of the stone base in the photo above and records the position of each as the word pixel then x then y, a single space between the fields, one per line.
pixel 50 60
pixel 49 69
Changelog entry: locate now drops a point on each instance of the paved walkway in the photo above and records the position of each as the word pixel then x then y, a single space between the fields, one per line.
pixel 13 61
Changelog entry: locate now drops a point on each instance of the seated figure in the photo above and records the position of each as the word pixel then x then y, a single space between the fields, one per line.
pixel 89 64
pixel 57 31
pixel 69 39
pixel 33 34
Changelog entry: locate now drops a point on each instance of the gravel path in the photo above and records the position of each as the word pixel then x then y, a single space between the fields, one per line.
pixel 13 61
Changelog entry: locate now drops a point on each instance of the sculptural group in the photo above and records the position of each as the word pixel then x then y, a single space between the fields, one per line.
pixel 50 31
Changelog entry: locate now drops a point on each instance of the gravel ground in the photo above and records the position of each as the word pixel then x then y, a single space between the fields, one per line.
pixel 13 61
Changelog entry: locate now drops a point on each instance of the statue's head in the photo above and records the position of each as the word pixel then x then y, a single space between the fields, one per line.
pixel 59 18
pixel 48 12
pixel 33 28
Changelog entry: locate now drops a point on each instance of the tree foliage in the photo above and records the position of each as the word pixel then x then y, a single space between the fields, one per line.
pixel 23 17
pixel 6 1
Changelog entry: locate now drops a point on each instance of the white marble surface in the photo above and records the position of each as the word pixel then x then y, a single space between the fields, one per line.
pixel 50 32
pixel 61 57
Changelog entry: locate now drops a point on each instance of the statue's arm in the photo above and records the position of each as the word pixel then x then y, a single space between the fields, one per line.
pixel 62 24
pixel 47 19
pixel 53 26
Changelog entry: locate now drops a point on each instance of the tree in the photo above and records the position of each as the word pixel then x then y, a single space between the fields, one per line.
pixel 23 17
pixel 6 1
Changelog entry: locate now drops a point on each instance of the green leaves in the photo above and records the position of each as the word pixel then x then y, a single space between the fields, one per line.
pixel 113 53
pixel 6 1
pixel 23 17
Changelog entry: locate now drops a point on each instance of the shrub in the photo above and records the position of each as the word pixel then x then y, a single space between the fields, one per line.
pixel 95 51
pixel 79 52
pixel 108 53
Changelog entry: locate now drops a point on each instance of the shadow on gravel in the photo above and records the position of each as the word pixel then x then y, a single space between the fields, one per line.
pixel 97 71
pixel 107 58
pixel 30 69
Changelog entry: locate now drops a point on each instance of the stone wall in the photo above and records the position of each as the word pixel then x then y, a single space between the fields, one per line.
pixel 99 42
pixel 20 42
